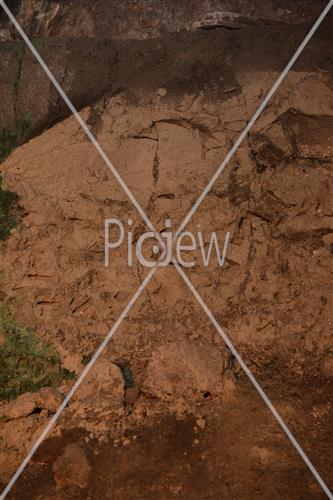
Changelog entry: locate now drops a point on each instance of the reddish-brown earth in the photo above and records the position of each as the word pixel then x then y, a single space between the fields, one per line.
pixel 192 426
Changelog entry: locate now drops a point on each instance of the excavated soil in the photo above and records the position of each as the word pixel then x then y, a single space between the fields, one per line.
pixel 191 426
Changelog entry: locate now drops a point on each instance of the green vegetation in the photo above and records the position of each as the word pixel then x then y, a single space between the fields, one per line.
pixel 86 358
pixel 128 377
pixel 11 137
pixel 26 363
pixel 9 210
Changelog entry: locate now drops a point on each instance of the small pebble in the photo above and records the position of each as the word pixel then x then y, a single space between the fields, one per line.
pixel 201 422
pixel 161 92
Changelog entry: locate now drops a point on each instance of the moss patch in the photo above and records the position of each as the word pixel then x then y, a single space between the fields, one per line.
pixel 11 137
pixel 86 358
pixel 26 363
pixel 128 377
pixel 9 211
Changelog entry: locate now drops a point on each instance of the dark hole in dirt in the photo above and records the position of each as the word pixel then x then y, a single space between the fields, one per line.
pixel 206 394
pixel 217 27
pixel 37 411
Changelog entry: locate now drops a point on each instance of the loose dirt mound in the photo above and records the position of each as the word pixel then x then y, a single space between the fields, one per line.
pixel 274 199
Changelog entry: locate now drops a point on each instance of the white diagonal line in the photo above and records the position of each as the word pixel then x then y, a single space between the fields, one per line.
pixel 71 393
pixel 254 381
pixel 255 117
pixel 84 126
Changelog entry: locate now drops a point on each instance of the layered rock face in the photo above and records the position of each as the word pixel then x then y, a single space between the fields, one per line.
pixel 149 18
pixel 96 49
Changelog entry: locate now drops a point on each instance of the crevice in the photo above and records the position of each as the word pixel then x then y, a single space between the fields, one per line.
pixel 156 163
pixel 242 288
pixel 21 54
pixel 139 137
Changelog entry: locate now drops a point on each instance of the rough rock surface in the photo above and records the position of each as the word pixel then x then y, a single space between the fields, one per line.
pixel 46 398
pixel 184 369
pixel 23 406
pixel 97 64
pixel 100 396
pixel 139 19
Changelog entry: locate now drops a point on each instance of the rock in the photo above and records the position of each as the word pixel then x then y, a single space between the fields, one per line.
pixel 103 388
pixel 186 368
pixel 275 134
pixel 264 455
pixel 72 467
pixel 313 136
pixel 132 394
pixel 48 398
pixel 229 385
pixel 270 146
pixel 22 406
pixel 162 92
pixel 328 366
pixel 221 19
pixel 201 423
pixel 328 240
pixel 238 253
pixel 20 433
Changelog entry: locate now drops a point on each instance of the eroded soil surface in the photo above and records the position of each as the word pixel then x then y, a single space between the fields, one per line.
pixel 166 411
